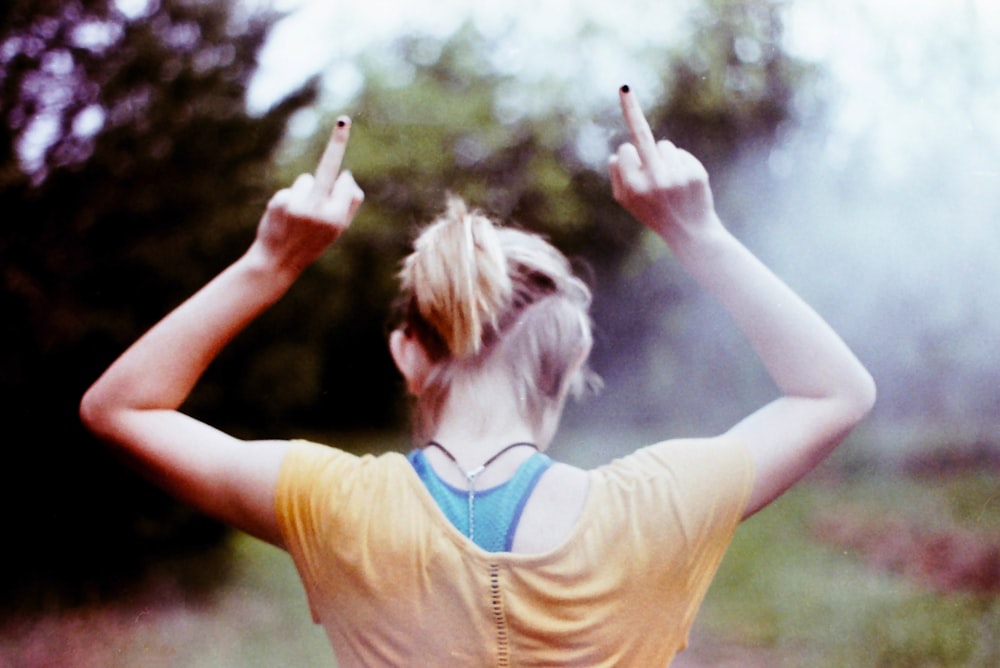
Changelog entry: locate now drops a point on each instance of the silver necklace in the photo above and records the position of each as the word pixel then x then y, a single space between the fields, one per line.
pixel 472 474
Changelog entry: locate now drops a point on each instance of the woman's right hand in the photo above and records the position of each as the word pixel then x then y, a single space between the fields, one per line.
pixel 304 220
pixel 663 186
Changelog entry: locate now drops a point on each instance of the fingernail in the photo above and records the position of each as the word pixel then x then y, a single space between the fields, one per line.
pixel 625 88
pixel 342 122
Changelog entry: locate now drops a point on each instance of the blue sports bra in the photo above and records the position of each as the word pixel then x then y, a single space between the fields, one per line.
pixel 497 509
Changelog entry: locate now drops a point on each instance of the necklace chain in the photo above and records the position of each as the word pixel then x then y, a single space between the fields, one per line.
pixel 472 474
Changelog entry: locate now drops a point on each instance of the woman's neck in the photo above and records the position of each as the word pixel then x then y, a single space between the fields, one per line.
pixel 474 434
pixel 480 418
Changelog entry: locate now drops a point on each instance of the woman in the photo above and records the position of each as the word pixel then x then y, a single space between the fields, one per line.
pixel 477 549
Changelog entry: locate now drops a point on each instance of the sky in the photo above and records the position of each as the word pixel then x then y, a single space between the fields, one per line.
pixel 895 71
pixel 540 37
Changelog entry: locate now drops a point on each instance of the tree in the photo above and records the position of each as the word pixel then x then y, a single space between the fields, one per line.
pixel 732 87
pixel 430 119
pixel 129 168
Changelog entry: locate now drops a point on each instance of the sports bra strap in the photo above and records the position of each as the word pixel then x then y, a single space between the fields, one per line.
pixel 498 509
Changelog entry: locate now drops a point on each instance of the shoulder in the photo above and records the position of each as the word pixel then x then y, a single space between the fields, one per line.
pixel 311 468
pixel 302 453
pixel 721 455
pixel 323 489
pixel 306 460
pixel 699 474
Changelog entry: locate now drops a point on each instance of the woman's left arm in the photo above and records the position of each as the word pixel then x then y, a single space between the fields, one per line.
pixel 825 389
pixel 134 404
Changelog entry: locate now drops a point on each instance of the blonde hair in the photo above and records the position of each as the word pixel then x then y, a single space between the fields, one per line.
pixel 474 292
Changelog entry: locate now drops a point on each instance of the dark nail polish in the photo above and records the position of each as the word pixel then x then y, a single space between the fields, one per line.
pixel 341 123
pixel 625 88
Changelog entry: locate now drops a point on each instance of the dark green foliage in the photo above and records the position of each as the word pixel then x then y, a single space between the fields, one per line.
pixel 143 188
pixel 733 86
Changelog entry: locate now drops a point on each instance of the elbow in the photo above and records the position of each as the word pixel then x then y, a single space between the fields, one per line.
pixel 90 411
pixel 865 394
pixel 96 412
pixel 858 400
pixel 871 393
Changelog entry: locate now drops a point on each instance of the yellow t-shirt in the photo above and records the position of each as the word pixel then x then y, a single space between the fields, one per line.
pixel 395 584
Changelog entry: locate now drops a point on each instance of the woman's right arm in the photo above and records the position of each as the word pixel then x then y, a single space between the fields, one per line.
pixel 825 389
pixel 134 405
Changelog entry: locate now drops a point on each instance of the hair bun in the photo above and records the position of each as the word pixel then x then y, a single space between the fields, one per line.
pixel 458 277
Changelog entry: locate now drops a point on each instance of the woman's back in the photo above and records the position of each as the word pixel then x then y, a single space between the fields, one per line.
pixel 553 510
pixel 538 517
pixel 391 579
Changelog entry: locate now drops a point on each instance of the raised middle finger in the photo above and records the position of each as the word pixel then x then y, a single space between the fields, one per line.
pixel 638 127
pixel 333 156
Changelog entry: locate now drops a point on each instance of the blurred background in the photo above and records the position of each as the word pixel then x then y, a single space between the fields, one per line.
pixel 854 146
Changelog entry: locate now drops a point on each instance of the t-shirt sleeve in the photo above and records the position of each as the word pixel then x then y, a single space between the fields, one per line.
pixel 311 487
pixel 705 487
pixel 685 499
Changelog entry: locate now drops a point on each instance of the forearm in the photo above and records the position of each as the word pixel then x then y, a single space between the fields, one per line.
pixel 160 369
pixel 801 352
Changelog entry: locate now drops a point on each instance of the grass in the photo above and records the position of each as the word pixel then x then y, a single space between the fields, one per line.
pixel 816 604
pixel 783 596
pixel 255 617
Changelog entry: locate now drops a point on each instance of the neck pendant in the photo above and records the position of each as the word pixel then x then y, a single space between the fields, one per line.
pixel 472 474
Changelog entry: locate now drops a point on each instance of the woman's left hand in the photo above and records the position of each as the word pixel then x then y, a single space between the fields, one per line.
pixel 663 186
pixel 825 389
